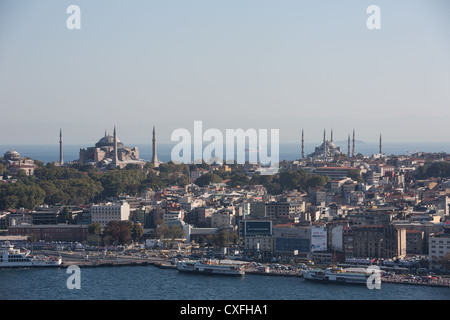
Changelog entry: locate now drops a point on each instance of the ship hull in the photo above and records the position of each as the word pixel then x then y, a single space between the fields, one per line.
pixel 30 264
pixel 212 273
pixel 331 277
pixel 208 269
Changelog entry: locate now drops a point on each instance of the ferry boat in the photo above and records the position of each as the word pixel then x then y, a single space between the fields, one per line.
pixel 210 267
pixel 16 258
pixel 337 275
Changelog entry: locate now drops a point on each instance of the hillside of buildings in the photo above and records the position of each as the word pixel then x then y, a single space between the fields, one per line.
pixel 341 207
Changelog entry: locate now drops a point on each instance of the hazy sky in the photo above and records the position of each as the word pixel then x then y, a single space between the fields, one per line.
pixel 245 64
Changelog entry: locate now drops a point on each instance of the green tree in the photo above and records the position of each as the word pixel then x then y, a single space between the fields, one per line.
pixel 65 216
pixel 238 179
pixel 316 181
pixel 207 178
pixel 21 195
pixel 119 232
pixel 175 232
pixel 137 231
pixel 94 228
pixel 161 229
pixel 223 238
pixel 355 175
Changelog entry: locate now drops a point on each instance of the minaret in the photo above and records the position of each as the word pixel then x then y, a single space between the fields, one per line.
pixel 353 152
pixel 154 157
pixel 60 148
pixel 115 160
pixel 348 151
pixel 331 135
pixel 381 146
pixel 324 145
pixel 303 145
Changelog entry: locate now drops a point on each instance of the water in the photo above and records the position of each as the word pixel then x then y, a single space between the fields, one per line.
pixel 287 151
pixel 152 283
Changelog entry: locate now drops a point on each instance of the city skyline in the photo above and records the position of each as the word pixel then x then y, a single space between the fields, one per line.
pixel 295 66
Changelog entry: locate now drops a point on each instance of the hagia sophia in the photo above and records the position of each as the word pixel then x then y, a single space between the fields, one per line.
pixel 110 152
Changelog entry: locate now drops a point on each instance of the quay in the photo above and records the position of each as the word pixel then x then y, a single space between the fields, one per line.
pixel 165 263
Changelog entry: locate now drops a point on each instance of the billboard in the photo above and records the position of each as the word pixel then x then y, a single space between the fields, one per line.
pixel 318 238
pixel 256 228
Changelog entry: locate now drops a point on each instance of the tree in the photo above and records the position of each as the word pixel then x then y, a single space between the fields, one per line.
pixel 175 232
pixel 316 181
pixel 161 229
pixel 95 228
pixel 223 238
pixel 290 180
pixel 21 195
pixel 207 178
pixel 118 232
pixel 32 238
pixel 65 216
pixel 238 179
pixel 355 175
pixel 273 188
pixel 136 232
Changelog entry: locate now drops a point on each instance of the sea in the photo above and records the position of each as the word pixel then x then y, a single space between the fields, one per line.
pixel 287 151
pixel 153 283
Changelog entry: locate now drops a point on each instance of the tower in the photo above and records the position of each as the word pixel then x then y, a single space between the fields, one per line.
pixel 303 145
pixel 348 151
pixel 381 146
pixel 115 160
pixel 154 157
pixel 324 145
pixel 60 148
pixel 353 152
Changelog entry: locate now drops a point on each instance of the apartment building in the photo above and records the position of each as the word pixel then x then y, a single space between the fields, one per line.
pixel 104 213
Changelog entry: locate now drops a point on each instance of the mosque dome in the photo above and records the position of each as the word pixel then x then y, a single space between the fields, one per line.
pixel 331 145
pixel 108 141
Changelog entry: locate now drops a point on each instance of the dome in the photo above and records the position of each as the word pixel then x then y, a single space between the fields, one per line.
pixel 11 154
pixel 331 145
pixel 107 141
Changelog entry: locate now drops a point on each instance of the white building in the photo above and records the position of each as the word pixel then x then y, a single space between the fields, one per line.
pixel 104 213
pixel 439 247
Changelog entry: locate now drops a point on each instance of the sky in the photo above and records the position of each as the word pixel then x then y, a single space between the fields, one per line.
pixel 260 64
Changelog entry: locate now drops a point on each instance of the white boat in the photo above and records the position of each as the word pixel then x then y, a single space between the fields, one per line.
pixel 210 267
pixel 16 258
pixel 337 275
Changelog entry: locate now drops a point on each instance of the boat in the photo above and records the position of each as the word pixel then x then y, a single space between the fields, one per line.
pixel 210 267
pixel 11 257
pixel 337 275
